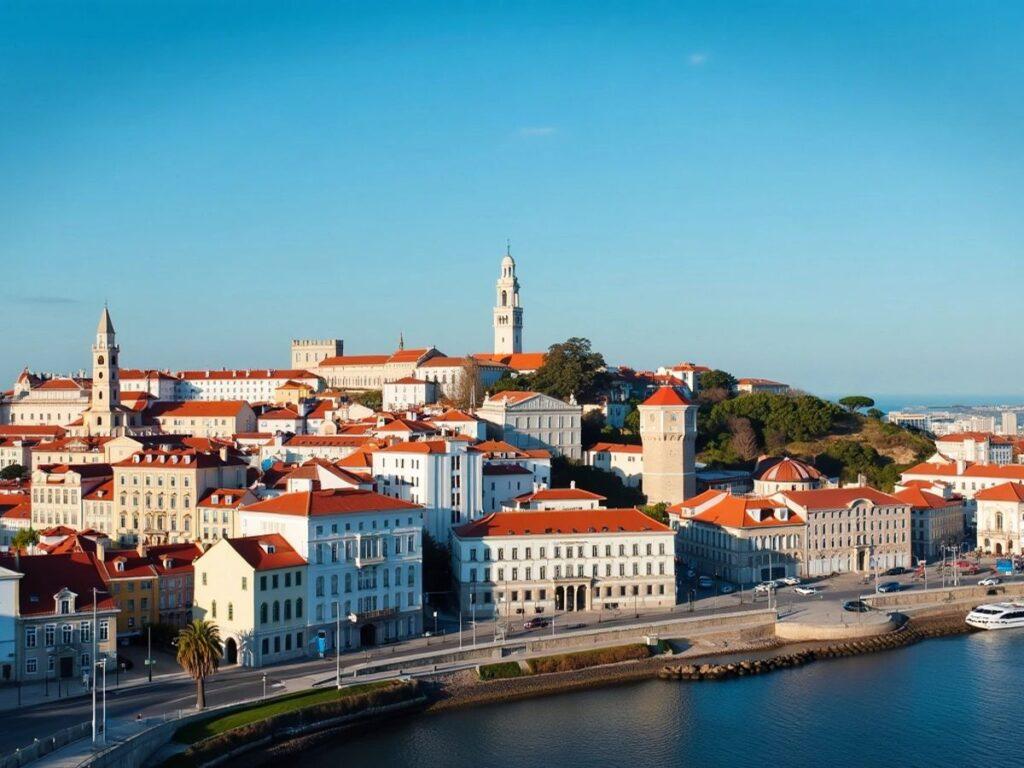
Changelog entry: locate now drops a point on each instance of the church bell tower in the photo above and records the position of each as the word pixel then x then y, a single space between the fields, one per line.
pixel 508 315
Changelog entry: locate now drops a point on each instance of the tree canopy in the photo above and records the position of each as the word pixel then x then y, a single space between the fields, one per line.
pixel 854 403
pixel 571 368
pixel 199 653
pixel 717 379
pixel 25 538
pixel 13 472
pixel 371 398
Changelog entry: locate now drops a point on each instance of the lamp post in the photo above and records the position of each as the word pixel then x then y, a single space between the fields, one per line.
pixel 354 619
pixel 264 676
pixel 435 622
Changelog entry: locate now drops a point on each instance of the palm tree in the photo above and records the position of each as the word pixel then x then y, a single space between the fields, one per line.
pixel 199 653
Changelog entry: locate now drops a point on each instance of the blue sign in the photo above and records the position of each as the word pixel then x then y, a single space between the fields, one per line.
pixel 1004 565
pixel 321 644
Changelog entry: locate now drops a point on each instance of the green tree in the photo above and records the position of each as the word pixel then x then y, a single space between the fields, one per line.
pixel 199 654
pixel 717 380
pixel 592 427
pixel 874 413
pixel 571 368
pixel 617 495
pixel 854 403
pixel 13 472
pixel 511 381
pixel 371 398
pixel 25 538
pixel 657 512
pixel 632 420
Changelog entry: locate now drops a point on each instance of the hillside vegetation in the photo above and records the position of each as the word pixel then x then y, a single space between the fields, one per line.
pixel 733 430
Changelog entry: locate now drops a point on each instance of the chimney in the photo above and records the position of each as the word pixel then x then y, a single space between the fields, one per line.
pixel 223 453
pixel 961 466
pixel 101 550
pixel 572 484
pixel 862 481
pixel 141 548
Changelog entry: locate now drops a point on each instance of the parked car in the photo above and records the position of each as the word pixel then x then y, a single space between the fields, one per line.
pixel 807 590
pixel 706 581
pixel 991 581
pixel 890 586
pixel 726 589
pixel 765 587
pixel 790 581
pixel 535 624
pixel 899 570
pixel 857 606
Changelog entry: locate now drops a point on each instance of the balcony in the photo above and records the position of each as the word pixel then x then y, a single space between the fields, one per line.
pixel 362 562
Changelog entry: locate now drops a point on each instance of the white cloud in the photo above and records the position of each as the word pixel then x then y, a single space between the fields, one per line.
pixel 697 59
pixel 537 130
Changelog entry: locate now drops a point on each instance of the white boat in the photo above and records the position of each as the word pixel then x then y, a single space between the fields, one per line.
pixel 997 616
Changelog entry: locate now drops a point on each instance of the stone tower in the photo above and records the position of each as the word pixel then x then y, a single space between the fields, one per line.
pixel 508 315
pixel 105 415
pixel 668 430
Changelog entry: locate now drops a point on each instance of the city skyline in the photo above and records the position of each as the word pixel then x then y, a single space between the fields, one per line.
pixel 818 198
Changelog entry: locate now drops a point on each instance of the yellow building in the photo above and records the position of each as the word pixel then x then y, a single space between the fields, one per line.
pixel 133 583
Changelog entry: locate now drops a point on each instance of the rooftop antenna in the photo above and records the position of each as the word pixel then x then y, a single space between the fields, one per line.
pixel 508 246
pixel 401 341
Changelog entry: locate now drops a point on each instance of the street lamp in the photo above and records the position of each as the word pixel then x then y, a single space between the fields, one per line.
pixel 103 665
pixel 264 676
pixel 435 622
pixel 337 669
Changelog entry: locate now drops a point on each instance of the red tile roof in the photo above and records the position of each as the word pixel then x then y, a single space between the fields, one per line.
pixel 342 501
pixel 198 409
pixel 46 575
pixel 1005 492
pixel 520 361
pixel 29 430
pixel 267 552
pixel 248 374
pixel 560 494
pixel 785 470
pixel 615 448
pixel 746 512
pixel 453 414
pixel 569 521
pixel 918 498
pixel 837 498
pixel 666 396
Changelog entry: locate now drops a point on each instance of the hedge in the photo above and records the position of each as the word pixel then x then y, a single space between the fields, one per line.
pixel 500 671
pixel 567 662
pixel 275 717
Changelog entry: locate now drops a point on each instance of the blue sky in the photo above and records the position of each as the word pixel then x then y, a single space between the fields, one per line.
pixel 825 193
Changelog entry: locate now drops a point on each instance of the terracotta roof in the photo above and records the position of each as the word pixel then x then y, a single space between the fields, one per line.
pixel 125 564
pixel 615 448
pixel 247 374
pixel 520 361
pixel 63 383
pixel 198 409
pixel 407 380
pixel 982 471
pixel 919 498
pixel 666 396
pixel 229 498
pixel 330 502
pixel 690 367
pixel 785 470
pixel 959 437
pixel 29 430
pixel 408 355
pixel 762 382
pixel 746 512
pixel 695 501
pixel 569 521
pixel 267 552
pixel 836 498
pixel 1005 492
pixel 280 414
pixel 343 441
pixel 417 446
pixel 452 414
pixel 342 360
pixel 408 425
pixel 560 494
pixel 46 575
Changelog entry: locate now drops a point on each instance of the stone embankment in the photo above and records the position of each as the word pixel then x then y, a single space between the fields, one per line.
pixel 913 632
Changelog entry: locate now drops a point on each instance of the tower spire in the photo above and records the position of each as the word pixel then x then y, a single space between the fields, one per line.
pixel 508 246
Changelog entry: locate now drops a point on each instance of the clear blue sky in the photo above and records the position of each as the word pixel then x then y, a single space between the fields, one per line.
pixel 826 193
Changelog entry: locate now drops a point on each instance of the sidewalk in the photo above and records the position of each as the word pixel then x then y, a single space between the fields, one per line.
pixel 55 691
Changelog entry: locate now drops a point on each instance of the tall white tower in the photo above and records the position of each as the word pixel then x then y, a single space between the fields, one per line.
pixel 508 315
pixel 103 414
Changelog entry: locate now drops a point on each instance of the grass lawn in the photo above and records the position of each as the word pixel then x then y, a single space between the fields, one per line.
pixel 500 671
pixel 203 729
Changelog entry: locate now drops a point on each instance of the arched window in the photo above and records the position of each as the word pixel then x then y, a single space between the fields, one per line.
pixel 999 521
pixel 263 613
pixel 298 608
pixel 174 501
pixel 187 523
pixel 504 298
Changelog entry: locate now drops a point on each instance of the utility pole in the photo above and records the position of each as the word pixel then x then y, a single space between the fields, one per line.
pixel 149 651
pixel 94 662
pixel 337 644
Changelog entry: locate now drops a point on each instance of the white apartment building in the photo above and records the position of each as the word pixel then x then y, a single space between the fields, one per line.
pixel 963 477
pixel 534 420
pixel 15 514
pixel 855 529
pixel 976 447
pixel 254 385
pixel 204 418
pixel 454 421
pixel 937 518
pixel 1001 519
pixel 254 588
pixel 445 476
pixel 515 565
pixel 551 499
pixel 620 459
pixel 448 373
pixel 300 448
pixel 365 562
pixel 58 493
pixel 408 393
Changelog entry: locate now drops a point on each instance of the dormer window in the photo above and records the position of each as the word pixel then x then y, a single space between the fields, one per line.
pixel 119 566
pixel 136 459
pixel 174 459
pixel 214 498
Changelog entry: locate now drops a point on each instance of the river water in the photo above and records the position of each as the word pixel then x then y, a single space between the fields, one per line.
pixel 949 702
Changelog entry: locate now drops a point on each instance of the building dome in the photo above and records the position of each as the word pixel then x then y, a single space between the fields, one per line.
pixel 786 470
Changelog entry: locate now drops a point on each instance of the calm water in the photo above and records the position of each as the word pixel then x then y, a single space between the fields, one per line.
pixel 950 702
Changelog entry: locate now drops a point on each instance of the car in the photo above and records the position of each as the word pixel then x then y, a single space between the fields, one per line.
pixel 706 581
pixel 535 624
pixel 807 590
pixel 726 589
pixel 857 606
pixel 991 581
pixel 765 586
pixel 790 581
pixel 897 571
pixel 889 586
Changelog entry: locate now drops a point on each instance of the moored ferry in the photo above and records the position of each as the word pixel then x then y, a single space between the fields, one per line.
pixel 997 616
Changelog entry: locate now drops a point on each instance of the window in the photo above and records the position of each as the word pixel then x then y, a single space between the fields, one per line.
pixel 85 631
pixel 213 609
pixel 66 634
pixel 49 635
pixel 231 611
pixel 104 630
pixel 31 666
pixel 298 611
pixel 30 638
pixel 263 613
pixel 245 583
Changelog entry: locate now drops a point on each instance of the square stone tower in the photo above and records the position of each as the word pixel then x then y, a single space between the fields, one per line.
pixel 668 430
